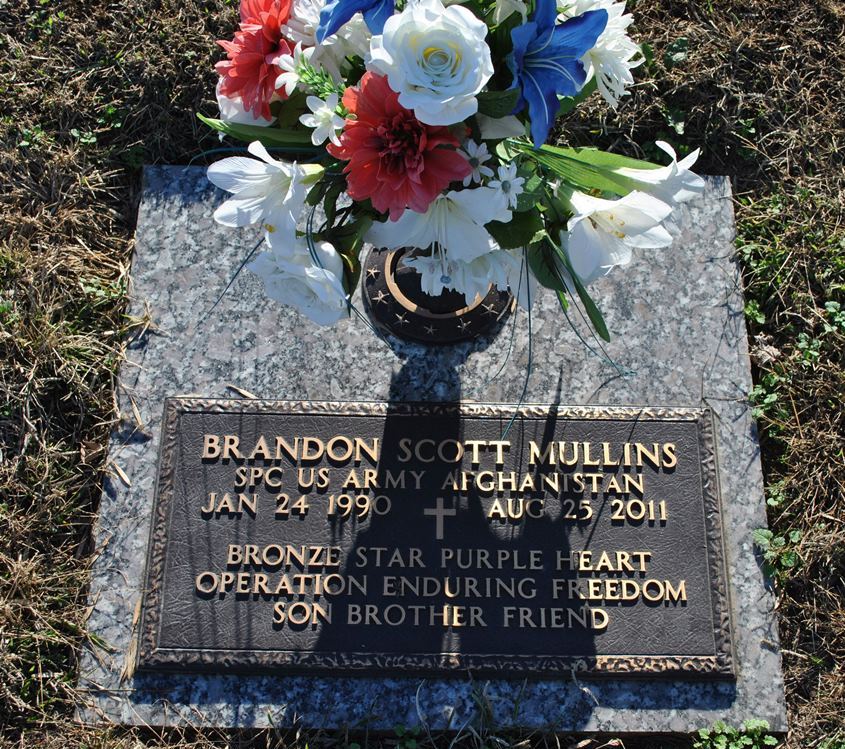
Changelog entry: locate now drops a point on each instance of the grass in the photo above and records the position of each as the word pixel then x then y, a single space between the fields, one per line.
pixel 93 89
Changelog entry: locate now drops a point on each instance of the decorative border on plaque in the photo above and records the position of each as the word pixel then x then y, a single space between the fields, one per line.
pixel 150 656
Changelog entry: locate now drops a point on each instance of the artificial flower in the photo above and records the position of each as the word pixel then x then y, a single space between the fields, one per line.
pixel 438 273
pixel 435 58
pixel 394 160
pixel 602 232
pixel 496 128
pixel 477 156
pixel 453 225
pixel 508 184
pixel 264 190
pixel 546 62
pixel 294 278
pixel 324 119
pixel 331 53
pixel 509 269
pixel 672 184
pixel 338 12
pixel 409 136
pixel 269 13
pixel 291 66
pixel 499 268
pixel 232 110
pixel 506 8
pixel 248 72
pixel 615 54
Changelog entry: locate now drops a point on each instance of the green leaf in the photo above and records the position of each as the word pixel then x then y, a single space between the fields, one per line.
pixel 676 52
pixel 518 232
pixel 531 193
pixel 315 194
pixel 507 150
pixel 789 559
pixel 541 260
pixel 330 202
pixel 762 538
pixel 676 119
pixel 605 159
pixel 568 103
pixel 574 170
pixel 590 307
pixel 288 111
pixel 647 51
pixel 498 103
pixel 299 140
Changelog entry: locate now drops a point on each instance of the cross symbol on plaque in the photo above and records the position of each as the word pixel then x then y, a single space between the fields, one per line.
pixel 439 513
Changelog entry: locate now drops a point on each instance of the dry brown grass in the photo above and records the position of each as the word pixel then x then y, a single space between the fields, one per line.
pixel 93 89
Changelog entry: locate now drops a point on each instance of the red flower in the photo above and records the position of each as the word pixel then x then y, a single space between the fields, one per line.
pixel 394 159
pixel 249 71
pixel 270 13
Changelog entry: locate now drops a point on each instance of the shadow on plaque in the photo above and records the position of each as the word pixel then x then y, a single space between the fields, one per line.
pixel 485 623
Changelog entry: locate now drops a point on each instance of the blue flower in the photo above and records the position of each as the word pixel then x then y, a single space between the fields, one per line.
pixel 337 12
pixel 546 61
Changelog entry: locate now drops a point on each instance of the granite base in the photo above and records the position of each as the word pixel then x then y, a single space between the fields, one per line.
pixel 679 339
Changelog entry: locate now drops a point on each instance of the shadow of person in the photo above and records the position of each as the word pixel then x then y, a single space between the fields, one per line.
pixel 396 543
pixel 466 574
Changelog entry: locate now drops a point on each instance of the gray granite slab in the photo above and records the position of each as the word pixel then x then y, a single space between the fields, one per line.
pixel 679 339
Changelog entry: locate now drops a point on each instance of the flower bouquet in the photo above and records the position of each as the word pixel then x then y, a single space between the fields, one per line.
pixel 424 124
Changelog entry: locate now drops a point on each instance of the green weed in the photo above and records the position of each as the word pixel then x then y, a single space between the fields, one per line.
pixel 753 735
pixel 780 557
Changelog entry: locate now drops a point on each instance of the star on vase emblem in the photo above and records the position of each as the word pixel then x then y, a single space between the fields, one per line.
pixel 489 309
pixel 372 272
pixel 429 329
pixel 400 318
pixel 463 325
pixel 380 296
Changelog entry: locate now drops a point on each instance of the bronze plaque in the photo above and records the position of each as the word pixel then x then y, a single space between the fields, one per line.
pixel 436 538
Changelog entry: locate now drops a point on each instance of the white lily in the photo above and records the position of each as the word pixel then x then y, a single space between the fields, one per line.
pixel 501 268
pixel 672 184
pixel 602 232
pixel 264 190
pixel 453 225
pixel 324 119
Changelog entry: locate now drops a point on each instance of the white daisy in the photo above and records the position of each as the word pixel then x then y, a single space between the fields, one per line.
pixel 477 155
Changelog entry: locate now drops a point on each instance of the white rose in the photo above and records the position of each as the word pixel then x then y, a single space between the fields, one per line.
pixel 292 277
pixel 435 58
